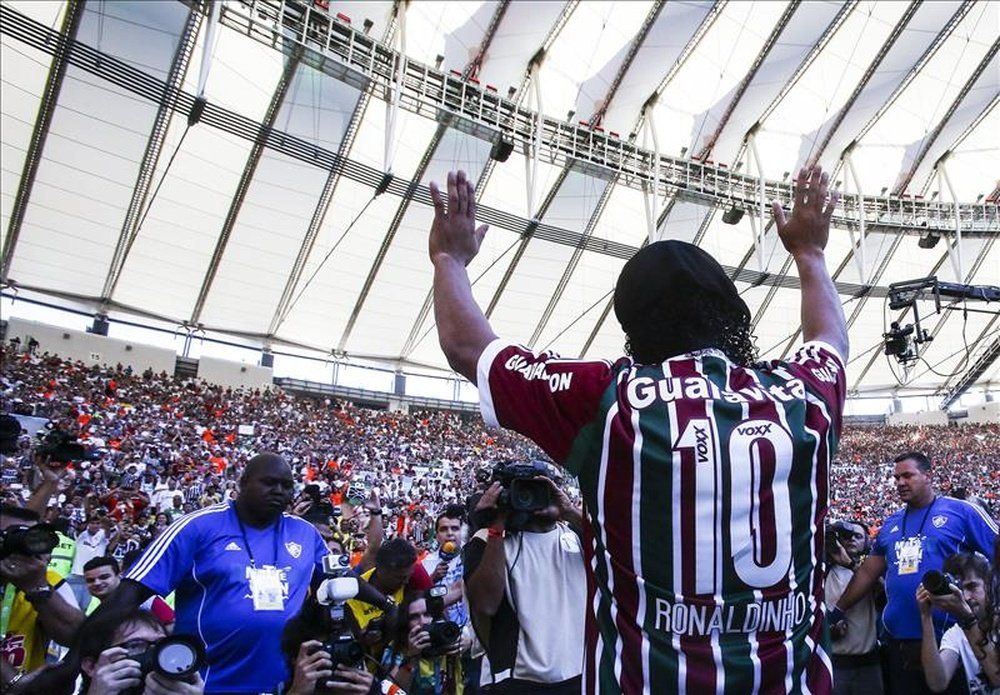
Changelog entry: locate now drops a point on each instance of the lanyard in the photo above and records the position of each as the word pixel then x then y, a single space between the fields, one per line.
pixel 246 541
pixel 922 521
pixel 8 602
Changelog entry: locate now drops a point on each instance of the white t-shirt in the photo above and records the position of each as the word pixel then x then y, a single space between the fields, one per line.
pixel 954 639
pixel 88 546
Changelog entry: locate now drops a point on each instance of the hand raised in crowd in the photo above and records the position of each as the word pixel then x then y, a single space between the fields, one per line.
pixel 808 229
pixel 373 504
pixel 454 232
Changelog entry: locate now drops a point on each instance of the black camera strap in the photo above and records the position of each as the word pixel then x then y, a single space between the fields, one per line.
pixel 922 521
pixel 246 541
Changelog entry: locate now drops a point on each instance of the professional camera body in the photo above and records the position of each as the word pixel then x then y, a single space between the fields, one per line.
pixel 521 492
pixel 334 591
pixel 443 633
pixel 62 447
pixel 36 540
pixel 939 583
pixel 177 657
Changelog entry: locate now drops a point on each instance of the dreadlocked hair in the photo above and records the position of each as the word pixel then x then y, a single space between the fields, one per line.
pixel 700 321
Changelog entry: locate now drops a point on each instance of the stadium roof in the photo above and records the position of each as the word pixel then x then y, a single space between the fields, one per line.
pixel 241 188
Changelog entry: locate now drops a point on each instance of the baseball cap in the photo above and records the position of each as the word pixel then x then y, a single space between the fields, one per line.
pixel 675 271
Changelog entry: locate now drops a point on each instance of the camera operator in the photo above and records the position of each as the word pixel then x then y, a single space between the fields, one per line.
pixel 960 590
pixel 425 658
pixel 856 661
pixel 37 604
pixel 526 586
pixel 120 656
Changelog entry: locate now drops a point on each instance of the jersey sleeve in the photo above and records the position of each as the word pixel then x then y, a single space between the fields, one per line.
pixel 420 580
pixel 821 368
pixel 981 530
pixel 169 558
pixel 540 395
pixel 163 612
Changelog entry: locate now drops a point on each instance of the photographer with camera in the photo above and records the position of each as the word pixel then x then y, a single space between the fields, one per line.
pixel 131 654
pixel 393 574
pixel 526 583
pixel 856 661
pixel 37 603
pixel 425 658
pixel 959 590
pixel 915 539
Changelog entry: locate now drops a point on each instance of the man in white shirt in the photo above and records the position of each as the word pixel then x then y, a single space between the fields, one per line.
pixel 90 543
pixel 966 601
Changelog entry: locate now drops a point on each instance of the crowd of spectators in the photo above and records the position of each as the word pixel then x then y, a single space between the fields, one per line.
pixel 966 464
pixel 159 437
pixel 159 447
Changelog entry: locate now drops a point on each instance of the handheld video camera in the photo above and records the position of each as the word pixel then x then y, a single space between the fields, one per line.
pixel 338 587
pixel 522 493
pixel 939 583
pixel 442 632
pixel 36 540
pixel 176 657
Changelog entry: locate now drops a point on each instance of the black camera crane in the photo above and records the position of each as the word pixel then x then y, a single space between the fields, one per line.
pixel 902 342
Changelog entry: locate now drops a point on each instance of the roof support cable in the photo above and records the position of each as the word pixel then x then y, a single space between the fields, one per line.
pixel 392 114
pixel 650 190
pixel 860 243
pixel 385 182
pixel 758 225
pixel 531 165
pixel 211 37
pixel 954 249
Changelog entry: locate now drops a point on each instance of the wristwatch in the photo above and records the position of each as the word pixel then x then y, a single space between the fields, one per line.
pixel 966 623
pixel 38 595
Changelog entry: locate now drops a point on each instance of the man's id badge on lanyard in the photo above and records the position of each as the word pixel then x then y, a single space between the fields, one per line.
pixel 266 588
pixel 909 552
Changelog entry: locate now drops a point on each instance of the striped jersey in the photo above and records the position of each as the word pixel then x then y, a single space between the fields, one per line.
pixel 705 489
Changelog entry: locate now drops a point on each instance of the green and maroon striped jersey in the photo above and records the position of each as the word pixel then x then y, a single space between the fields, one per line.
pixel 705 489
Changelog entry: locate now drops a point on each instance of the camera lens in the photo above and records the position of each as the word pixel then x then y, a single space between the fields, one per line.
pixel 177 656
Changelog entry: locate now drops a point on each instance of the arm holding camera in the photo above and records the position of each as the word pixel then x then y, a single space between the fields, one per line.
pixel 114 672
pixel 485 586
pixel 939 666
pixel 568 512
pixel 52 474
pixel 59 618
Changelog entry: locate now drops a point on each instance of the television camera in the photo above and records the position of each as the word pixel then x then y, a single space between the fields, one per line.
pixel 903 341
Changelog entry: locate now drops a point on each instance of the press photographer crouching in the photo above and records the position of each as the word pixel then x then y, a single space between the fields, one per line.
pixel 130 654
pixel 526 583
pixel 425 658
